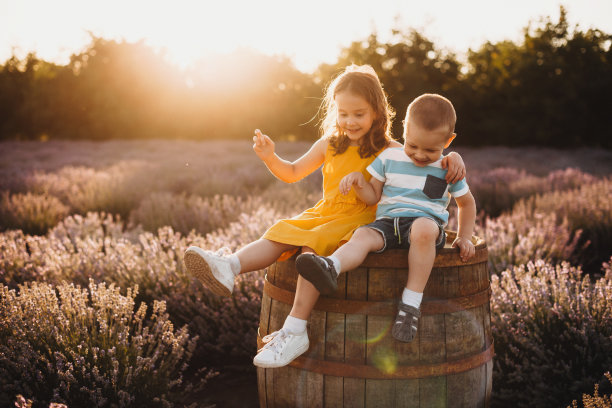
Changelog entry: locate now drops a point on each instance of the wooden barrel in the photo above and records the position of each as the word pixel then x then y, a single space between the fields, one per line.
pixel 353 361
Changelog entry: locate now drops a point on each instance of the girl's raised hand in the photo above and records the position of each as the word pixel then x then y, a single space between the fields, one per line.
pixel 263 145
pixel 352 178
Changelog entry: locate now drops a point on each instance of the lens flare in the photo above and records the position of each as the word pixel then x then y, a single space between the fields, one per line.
pixel 376 337
pixel 385 360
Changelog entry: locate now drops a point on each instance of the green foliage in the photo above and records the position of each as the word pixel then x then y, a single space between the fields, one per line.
pixel 553 333
pixel 407 66
pixel 125 90
pixel 89 347
pixel 550 89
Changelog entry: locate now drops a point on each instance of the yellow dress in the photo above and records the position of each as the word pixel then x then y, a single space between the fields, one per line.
pixel 332 221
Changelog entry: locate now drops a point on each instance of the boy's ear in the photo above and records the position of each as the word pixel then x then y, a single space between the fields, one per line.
pixel 450 139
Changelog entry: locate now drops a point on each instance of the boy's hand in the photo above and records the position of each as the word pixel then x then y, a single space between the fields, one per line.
pixel 263 145
pixel 352 178
pixel 456 168
pixel 466 248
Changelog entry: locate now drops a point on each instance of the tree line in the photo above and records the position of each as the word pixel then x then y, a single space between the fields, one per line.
pixel 550 89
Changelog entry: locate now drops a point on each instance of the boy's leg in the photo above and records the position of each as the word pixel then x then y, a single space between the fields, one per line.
pixel 217 271
pixel 322 271
pixel 421 255
pixel 353 253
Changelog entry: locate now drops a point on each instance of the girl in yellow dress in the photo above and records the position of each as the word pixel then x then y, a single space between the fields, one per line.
pixel 356 127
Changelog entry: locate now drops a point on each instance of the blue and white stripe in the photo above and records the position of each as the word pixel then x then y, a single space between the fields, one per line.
pixel 402 194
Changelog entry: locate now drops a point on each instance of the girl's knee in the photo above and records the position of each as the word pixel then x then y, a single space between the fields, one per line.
pixel 424 230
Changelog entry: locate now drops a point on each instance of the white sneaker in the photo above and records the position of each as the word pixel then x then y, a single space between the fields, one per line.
pixel 212 269
pixel 281 348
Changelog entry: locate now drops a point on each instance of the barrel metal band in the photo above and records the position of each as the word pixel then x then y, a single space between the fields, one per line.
pixel 382 308
pixel 340 369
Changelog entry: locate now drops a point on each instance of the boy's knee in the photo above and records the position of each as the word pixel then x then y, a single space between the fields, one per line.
pixel 424 230
pixel 366 236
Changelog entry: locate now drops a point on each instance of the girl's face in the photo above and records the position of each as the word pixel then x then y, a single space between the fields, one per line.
pixel 355 115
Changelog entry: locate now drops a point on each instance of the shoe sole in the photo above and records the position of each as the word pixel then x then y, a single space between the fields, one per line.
pixel 197 266
pixel 298 353
pixel 310 270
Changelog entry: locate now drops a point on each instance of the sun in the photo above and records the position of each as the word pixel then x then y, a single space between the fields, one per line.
pixel 195 30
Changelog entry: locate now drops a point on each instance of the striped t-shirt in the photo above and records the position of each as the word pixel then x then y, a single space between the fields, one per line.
pixel 413 191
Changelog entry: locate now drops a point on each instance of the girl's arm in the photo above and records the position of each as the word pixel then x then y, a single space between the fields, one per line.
pixel 287 171
pixel 456 168
pixel 368 192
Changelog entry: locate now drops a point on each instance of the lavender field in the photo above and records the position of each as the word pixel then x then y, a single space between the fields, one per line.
pixel 97 309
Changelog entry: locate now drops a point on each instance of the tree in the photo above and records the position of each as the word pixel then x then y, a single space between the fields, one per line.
pixel 550 90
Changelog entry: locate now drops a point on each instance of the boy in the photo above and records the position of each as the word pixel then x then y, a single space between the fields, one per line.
pixel 408 185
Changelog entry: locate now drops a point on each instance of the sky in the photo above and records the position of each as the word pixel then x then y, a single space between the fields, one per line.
pixel 309 32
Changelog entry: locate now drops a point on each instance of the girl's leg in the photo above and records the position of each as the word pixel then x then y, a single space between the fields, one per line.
pixel 422 253
pixel 306 295
pixel 218 272
pixel 291 341
pixel 260 254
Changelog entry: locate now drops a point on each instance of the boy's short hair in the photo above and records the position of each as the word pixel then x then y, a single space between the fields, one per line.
pixel 432 111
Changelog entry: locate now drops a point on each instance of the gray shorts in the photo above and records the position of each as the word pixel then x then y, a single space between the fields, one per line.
pixel 396 232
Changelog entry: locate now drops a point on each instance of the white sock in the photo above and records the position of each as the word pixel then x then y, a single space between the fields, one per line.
pixel 336 262
pixel 411 298
pixel 234 264
pixel 294 325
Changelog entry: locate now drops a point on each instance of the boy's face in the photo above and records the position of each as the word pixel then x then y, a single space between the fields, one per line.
pixel 425 146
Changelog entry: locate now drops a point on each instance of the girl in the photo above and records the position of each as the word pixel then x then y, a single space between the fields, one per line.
pixel 355 128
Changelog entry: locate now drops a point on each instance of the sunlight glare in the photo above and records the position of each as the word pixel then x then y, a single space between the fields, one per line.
pixel 200 30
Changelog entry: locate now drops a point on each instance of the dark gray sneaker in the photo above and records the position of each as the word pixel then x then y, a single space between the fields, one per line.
pixel 319 271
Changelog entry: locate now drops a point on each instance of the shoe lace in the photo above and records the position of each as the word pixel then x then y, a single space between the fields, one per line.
pixel 275 341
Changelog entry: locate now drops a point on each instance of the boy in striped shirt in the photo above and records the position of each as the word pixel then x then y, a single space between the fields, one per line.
pixel 412 195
